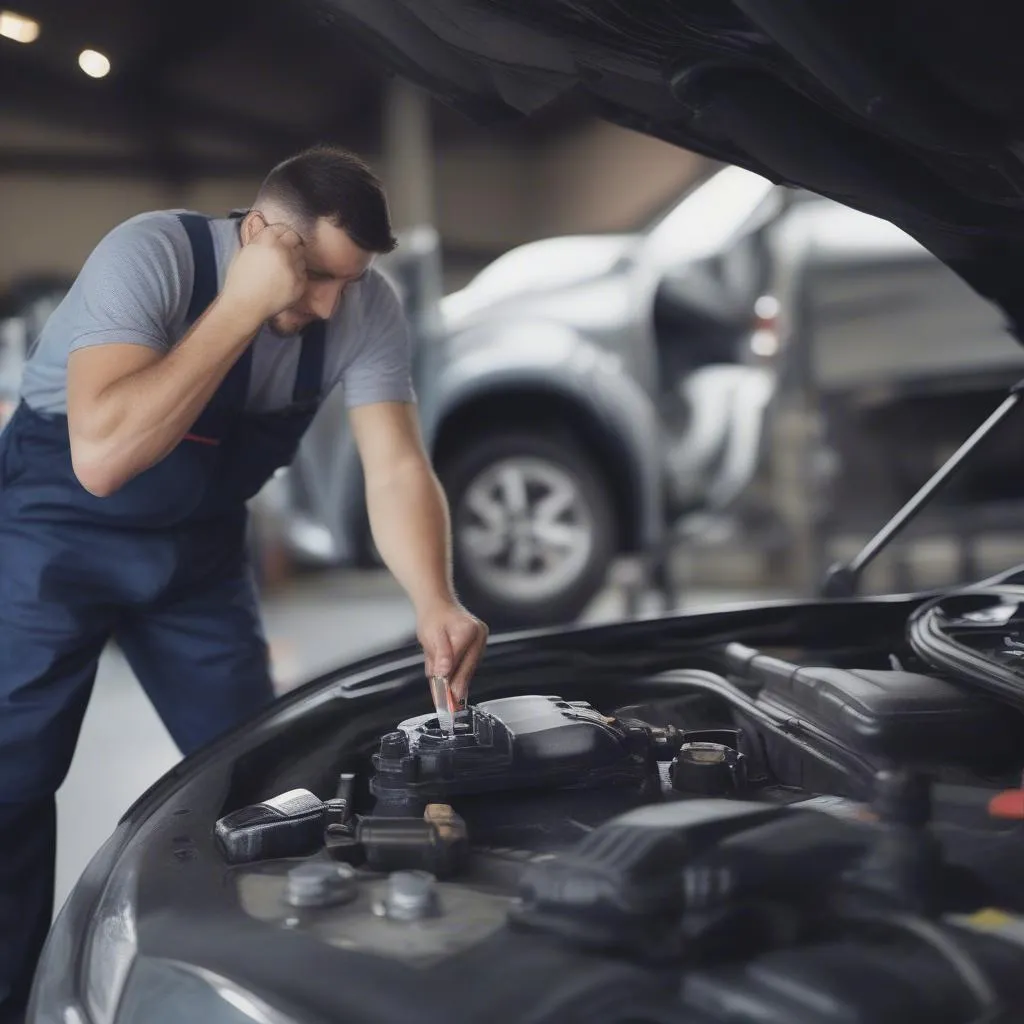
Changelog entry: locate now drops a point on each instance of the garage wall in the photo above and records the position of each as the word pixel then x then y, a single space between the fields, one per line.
pixel 488 198
pixel 606 178
pixel 600 178
pixel 485 196
pixel 51 224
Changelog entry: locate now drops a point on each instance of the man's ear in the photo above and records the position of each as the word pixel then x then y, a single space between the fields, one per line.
pixel 252 224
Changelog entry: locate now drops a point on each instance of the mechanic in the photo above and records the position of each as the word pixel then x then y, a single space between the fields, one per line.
pixel 181 371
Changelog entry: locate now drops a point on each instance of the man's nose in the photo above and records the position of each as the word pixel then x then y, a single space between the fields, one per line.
pixel 323 298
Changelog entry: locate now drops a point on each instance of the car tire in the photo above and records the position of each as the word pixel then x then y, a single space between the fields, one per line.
pixel 566 572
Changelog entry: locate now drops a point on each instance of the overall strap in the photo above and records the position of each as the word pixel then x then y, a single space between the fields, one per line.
pixel 310 374
pixel 234 390
pixel 204 279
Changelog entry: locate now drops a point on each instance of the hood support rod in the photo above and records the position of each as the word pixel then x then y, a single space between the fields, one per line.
pixel 842 579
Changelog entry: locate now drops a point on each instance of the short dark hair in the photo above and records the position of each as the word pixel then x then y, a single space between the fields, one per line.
pixel 330 182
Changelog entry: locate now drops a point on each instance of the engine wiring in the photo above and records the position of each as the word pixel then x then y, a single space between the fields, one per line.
pixel 841 759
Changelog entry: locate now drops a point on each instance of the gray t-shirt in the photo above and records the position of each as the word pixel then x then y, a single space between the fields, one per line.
pixel 136 285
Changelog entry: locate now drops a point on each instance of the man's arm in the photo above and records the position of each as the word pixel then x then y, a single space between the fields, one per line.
pixel 129 405
pixel 407 507
pixel 409 520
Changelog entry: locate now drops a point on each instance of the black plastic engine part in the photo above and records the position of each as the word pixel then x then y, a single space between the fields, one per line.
pixel 904 866
pixel 288 825
pixel 894 863
pixel 336 811
pixel 438 842
pixel 341 844
pixel 903 716
pixel 339 807
pixel 661 880
pixel 665 740
pixel 622 886
pixel 506 744
pixel 903 798
pixel 702 768
pixel 883 976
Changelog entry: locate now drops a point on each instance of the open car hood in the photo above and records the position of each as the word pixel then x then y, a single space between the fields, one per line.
pixel 894 110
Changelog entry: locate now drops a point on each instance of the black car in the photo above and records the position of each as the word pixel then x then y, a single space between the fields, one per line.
pixel 798 811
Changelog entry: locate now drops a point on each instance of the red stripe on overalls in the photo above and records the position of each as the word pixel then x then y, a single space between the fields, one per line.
pixel 201 440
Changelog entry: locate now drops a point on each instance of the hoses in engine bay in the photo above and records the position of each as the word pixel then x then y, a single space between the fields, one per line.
pixel 802 735
pixel 974 608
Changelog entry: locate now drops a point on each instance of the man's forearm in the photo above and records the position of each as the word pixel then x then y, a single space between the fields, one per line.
pixel 137 420
pixel 411 527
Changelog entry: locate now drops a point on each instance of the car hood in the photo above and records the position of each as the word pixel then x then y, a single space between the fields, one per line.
pixel 887 108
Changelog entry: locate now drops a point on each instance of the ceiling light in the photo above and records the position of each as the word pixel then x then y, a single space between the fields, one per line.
pixel 764 343
pixel 93 63
pixel 766 307
pixel 18 27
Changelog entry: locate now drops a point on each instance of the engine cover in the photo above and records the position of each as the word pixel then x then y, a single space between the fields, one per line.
pixel 511 743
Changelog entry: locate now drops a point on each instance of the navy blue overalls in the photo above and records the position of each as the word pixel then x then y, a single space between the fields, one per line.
pixel 160 566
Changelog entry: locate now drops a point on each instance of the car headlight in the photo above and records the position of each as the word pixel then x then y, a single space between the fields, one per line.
pixel 111 946
pixel 92 972
pixel 91 946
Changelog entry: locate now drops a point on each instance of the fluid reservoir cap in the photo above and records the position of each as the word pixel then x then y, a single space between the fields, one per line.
pixel 705 753
pixel 708 769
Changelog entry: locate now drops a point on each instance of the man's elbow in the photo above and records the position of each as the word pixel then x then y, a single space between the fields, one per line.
pixel 98 482
pixel 96 470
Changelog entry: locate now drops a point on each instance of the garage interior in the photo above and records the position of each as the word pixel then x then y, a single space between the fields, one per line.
pixel 114 107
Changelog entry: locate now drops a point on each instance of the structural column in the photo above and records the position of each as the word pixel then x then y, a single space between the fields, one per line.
pixel 408 155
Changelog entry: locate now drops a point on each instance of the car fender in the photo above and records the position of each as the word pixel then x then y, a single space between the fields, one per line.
pixel 553 358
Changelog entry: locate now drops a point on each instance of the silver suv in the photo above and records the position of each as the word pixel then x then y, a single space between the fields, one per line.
pixel 588 396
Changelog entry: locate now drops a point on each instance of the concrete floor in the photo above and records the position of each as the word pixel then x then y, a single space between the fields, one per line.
pixel 314 623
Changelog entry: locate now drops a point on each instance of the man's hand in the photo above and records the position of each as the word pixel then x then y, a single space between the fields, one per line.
pixel 453 642
pixel 267 274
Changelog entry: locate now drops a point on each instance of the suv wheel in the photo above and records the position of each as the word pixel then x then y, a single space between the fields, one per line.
pixel 533 528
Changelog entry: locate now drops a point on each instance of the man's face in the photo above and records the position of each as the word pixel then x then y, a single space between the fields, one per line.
pixel 333 262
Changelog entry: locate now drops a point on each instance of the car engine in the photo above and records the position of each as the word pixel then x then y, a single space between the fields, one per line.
pixel 758 839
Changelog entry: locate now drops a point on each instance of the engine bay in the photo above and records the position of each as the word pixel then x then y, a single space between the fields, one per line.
pixel 825 838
